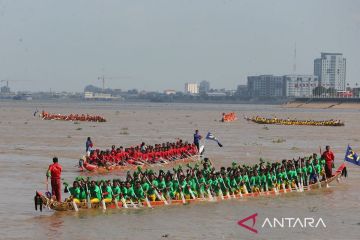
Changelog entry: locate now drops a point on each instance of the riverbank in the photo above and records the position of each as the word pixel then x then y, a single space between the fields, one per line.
pixel 322 105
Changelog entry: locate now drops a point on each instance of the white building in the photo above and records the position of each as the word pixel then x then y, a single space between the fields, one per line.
pixel 98 96
pixel 331 70
pixel 191 88
pixel 169 92
pixel 300 85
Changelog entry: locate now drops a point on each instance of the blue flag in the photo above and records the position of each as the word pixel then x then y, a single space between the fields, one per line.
pixel 210 136
pixel 351 156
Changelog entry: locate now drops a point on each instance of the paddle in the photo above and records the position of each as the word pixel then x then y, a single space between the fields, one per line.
pixel 275 189
pixel 88 201
pixel 301 179
pixel 75 206
pixel 160 197
pixel 301 189
pixel 103 204
pixel 132 203
pixel 116 203
pixel 220 191
pixel 245 187
pixel 168 195
pixel 266 187
pixel 327 185
pixel 227 190
pixel 209 194
pixel 122 199
pixel 191 192
pixel 200 189
pixel 146 198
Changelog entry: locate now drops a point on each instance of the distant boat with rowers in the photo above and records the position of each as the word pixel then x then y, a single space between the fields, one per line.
pixel 279 121
pixel 85 166
pixel 71 117
pixel 41 200
pixel 146 156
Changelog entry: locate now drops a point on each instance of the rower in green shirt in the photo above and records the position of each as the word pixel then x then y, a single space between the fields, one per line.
pixel 95 192
pixel 130 194
pixel 139 192
pixel 116 190
pixel 107 192
pixel 153 185
pixel 75 191
pixel 170 191
pixel 184 186
pixel 292 174
pixel 202 183
pixel 262 181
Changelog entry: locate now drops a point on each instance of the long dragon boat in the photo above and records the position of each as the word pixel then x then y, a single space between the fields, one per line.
pixel 42 200
pixel 114 167
pixel 72 117
pixel 279 121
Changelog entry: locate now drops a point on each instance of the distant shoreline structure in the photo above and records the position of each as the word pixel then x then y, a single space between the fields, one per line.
pixel 324 103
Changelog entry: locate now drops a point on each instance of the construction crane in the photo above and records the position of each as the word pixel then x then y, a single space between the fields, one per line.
pixel 103 82
pixel 102 78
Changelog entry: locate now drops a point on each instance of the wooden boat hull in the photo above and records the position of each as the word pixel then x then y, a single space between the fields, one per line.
pixel 67 206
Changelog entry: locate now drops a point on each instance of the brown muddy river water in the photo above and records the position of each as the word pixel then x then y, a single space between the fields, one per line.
pixel 27 145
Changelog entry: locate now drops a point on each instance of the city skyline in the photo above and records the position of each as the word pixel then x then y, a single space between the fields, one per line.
pixel 161 45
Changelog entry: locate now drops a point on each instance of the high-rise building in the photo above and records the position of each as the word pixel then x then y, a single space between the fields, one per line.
pixel 266 86
pixel 300 85
pixel 191 88
pixel 331 70
pixel 242 91
pixel 204 87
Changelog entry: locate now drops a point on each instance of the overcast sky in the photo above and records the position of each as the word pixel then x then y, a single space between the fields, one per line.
pixel 161 44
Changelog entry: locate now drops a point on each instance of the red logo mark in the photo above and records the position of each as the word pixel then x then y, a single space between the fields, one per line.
pixel 253 217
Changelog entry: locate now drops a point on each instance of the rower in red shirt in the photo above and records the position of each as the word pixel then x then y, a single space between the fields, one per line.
pixel 54 171
pixel 329 157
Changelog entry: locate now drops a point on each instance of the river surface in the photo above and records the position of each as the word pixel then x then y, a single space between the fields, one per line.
pixel 27 145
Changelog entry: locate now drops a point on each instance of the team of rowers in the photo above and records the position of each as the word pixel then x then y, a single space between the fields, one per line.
pixel 141 154
pixel 204 182
pixel 72 117
pixel 278 121
pixel 228 117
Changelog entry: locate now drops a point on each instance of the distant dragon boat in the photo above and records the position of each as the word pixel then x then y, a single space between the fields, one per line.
pixel 279 121
pixel 41 200
pixel 72 117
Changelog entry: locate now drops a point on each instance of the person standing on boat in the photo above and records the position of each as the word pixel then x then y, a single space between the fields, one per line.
pixel 329 157
pixel 54 172
pixel 197 138
pixel 88 146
